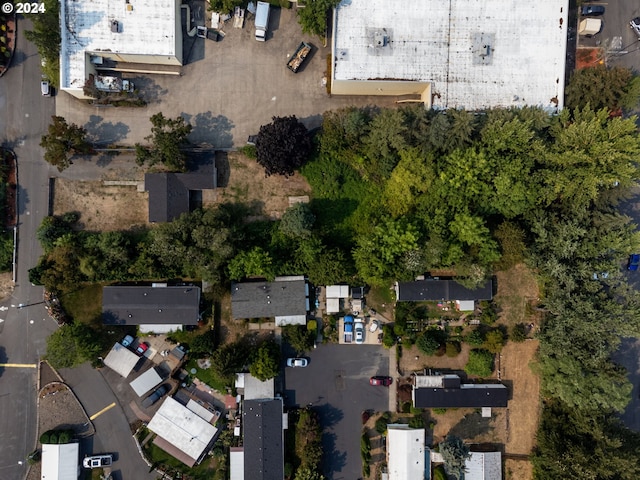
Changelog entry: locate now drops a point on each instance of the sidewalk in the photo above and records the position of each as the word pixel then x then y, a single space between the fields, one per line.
pixel 393 373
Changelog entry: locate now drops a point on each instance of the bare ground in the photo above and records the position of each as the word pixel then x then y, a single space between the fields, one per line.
pixel 247 183
pixel 6 285
pixel 101 207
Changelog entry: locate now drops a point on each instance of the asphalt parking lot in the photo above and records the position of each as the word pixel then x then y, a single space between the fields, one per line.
pixel 617 37
pixel 227 89
pixel 336 382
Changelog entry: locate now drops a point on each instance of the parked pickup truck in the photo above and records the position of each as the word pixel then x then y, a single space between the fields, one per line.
pixel 298 58
pixel 348 329
pixel 97 461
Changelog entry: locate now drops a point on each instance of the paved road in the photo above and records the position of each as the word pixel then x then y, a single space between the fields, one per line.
pixel 24 115
pixel 336 382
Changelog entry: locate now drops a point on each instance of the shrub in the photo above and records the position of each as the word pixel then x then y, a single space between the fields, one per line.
pixel 406 407
pixel 417 421
pixel 312 326
pixel 45 437
pixel 452 349
pixel 431 340
pixel 439 411
pixel 439 474
pixel 480 363
pixel 475 338
pixel 415 411
pixel 381 424
pixel 53 437
pixel 518 333
pixel 494 341
pixel 488 315
pixel 64 436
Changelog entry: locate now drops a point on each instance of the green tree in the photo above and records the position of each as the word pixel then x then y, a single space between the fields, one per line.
pixel 229 359
pixel 475 337
pixel 431 341
pixel 480 363
pixel 518 333
pixel 72 345
pixel 63 141
pixel 299 337
pixel 283 145
pixel 265 362
pixel 254 263
pixel 603 87
pixel 455 454
pixel 297 221
pixel 306 473
pixel 494 341
pixel 224 6
pixel 168 137
pixel 204 344
pixel 46 37
pixel 313 17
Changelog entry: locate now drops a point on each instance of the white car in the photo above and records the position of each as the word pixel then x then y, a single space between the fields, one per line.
pixel 297 362
pixel 359 329
pixel 635 24
pixel 97 461
pixel 45 88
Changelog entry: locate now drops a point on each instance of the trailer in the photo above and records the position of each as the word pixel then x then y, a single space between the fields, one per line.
pixel 298 57
pixel 348 329
pixel 262 21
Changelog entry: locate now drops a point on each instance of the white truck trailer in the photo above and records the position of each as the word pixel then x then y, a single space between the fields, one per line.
pixel 262 21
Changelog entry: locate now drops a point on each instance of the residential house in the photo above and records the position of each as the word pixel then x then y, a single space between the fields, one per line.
pixel 443 290
pixel 447 391
pixel 60 462
pixel 158 308
pixel 286 299
pixel 406 452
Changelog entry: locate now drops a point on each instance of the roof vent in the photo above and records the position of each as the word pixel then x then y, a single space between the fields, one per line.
pixel 380 39
pixel 115 26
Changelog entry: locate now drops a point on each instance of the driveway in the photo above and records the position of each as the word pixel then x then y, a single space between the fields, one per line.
pixel 336 383
pixel 227 91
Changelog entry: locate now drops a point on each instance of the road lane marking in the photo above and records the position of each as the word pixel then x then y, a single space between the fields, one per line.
pixel 19 365
pixel 108 407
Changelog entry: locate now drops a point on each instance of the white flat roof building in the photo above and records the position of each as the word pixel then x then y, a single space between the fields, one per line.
pixel 146 382
pixel 471 54
pixel 121 360
pixel 129 31
pixel 60 462
pixel 406 450
pixel 483 466
pixel 182 429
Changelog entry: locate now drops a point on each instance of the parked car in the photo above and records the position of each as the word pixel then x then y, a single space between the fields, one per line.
pixel 127 341
pixel 297 362
pixel 45 88
pixel 592 10
pixel 97 461
pixel 155 396
pixel 380 380
pixel 635 24
pixel 359 329
pixel 374 326
pixel 634 262
pixel 142 348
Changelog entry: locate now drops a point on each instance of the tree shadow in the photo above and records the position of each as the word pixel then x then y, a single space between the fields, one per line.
pixel 329 415
pixel 333 461
pixel 101 133
pixel 223 169
pixel 312 122
pixel 210 129
pixel 149 90
pixel 472 425
pixel 19 57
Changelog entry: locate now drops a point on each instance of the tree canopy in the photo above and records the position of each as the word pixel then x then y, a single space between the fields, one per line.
pixel 62 141
pixel 313 17
pixel 73 344
pixel 603 87
pixel 168 137
pixel 454 453
pixel 283 146
pixel 265 362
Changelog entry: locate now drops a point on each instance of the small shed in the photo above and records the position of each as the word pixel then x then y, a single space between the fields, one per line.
pixel 337 291
pixel 333 305
pixel 146 382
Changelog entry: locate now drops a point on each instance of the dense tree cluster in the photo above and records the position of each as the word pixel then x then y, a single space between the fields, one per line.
pixel 46 37
pixel 62 141
pixel 168 137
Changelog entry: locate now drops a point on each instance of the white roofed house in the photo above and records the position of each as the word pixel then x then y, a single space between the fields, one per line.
pixel 143 36
pixel 406 452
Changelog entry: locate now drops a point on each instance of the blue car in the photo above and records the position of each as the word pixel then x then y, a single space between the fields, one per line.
pixel 634 262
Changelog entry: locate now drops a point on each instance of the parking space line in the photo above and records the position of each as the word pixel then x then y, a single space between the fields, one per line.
pixel 18 365
pixel 108 407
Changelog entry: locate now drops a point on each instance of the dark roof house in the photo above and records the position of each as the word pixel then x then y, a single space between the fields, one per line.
pixel 263 439
pixel 436 289
pixel 286 299
pixel 172 194
pixel 447 391
pixel 159 308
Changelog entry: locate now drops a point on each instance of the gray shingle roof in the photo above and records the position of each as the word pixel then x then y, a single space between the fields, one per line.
pixel 142 305
pixel 268 299
pixel 472 396
pixel 447 290
pixel 263 440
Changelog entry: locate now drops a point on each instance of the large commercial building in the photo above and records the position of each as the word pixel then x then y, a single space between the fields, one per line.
pixel 471 54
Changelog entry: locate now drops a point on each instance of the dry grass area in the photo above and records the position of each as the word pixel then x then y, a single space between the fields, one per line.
pixel 6 285
pixel 518 469
pixel 517 288
pixel 248 184
pixel 101 207
pixel 414 360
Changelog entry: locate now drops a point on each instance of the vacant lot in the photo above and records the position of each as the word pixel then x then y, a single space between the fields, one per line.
pixel 101 207
pixel 247 183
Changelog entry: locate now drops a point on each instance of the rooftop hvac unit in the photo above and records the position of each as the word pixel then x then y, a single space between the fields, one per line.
pixel 115 26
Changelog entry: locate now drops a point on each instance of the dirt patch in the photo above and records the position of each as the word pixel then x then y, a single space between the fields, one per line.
pixel 518 469
pixel 101 207
pixel 413 360
pixel 6 285
pixel 243 180
pixel 517 295
pixel 589 57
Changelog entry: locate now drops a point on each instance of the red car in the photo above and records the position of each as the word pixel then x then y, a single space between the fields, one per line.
pixel 381 381
pixel 142 348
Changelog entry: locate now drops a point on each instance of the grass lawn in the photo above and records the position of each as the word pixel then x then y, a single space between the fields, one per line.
pixel 207 376
pixel 84 304
pixel 166 462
